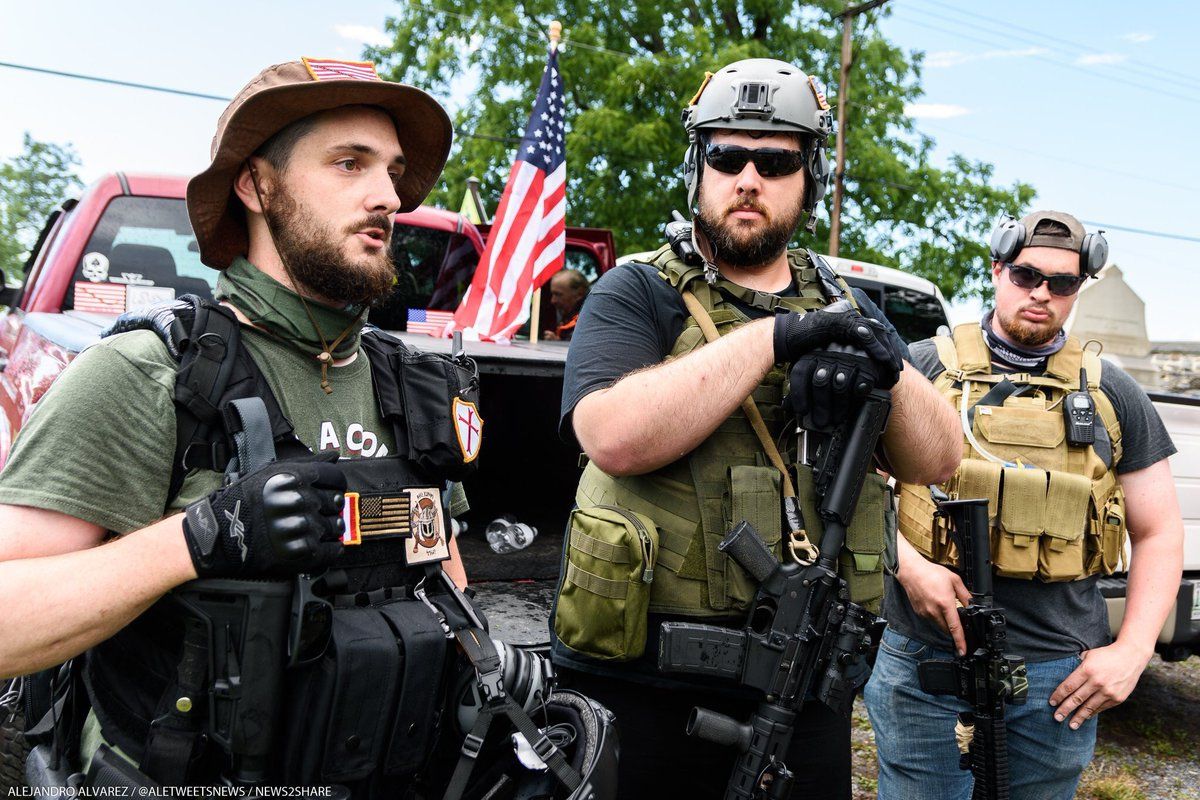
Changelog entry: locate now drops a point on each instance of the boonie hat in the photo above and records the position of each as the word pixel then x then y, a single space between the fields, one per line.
pixel 1073 242
pixel 284 93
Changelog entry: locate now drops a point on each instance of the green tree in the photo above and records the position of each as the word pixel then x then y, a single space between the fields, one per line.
pixel 31 185
pixel 630 68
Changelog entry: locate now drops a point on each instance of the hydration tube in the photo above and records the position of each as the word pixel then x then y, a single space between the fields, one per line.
pixel 966 426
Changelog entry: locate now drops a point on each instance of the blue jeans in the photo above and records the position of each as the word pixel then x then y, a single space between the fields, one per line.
pixel 914 731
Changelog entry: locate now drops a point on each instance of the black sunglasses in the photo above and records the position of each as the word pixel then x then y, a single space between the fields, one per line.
pixel 771 162
pixel 1030 278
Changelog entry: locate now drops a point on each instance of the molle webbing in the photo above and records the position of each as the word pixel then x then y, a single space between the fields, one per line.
pixel 1058 512
pixel 728 477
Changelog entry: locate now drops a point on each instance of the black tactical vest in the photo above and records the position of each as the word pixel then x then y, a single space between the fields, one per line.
pixel 365 713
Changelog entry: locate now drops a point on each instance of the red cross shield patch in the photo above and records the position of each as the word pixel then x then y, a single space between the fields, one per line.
pixel 469 427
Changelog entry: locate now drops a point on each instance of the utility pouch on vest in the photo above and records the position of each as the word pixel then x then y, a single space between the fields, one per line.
pixel 371 699
pixel 931 540
pixel 754 496
pixel 1015 550
pixel 364 693
pixel 604 595
pixel 441 413
pixel 861 561
pixel 1061 556
pixel 1108 535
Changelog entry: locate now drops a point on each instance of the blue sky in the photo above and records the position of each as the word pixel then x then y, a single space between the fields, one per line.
pixel 1096 104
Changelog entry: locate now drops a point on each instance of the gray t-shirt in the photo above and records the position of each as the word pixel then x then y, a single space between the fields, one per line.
pixel 1050 620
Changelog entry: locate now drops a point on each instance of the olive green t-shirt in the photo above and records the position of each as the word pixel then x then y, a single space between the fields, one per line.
pixel 99 444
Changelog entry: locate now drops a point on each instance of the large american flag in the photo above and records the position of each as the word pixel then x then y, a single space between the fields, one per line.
pixel 528 237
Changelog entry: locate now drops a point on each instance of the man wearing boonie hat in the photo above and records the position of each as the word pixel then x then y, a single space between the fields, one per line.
pixel 310 162
pixel 1072 457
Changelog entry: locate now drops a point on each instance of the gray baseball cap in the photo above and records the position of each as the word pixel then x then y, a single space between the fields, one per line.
pixel 1072 242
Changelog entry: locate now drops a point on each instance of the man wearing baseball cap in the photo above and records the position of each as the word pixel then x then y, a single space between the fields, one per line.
pixel 310 162
pixel 1071 457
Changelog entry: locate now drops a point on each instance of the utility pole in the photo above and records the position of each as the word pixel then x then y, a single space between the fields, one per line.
pixel 839 172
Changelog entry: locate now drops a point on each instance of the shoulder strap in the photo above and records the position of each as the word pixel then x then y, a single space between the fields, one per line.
pixel 972 350
pixel 1104 406
pixel 215 369
pixel 1064 365
pixel 946 353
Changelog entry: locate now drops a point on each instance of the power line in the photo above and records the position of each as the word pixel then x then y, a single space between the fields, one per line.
pixel 1008 25
pixel 1131 175
pixel 1063 64
pixel 1141 231
pixel 201 95
pixel 114 82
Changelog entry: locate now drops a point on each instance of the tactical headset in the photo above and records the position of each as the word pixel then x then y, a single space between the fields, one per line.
pixel 766 95
pixel 1010 235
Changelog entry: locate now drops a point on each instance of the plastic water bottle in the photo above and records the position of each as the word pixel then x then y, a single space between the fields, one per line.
pixel 506 535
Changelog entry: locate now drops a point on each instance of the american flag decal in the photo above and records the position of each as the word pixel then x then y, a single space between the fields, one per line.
pixel 428 321
pixel 818 90
pixel 331 69
pixel 100 298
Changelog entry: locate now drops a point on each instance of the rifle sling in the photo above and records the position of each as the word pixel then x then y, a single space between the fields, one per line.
pixel 748 407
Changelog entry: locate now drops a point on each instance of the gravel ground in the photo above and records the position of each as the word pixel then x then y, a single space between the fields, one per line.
pixel 1148 747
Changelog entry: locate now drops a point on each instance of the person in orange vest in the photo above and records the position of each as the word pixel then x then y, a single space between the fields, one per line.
pixel 568 290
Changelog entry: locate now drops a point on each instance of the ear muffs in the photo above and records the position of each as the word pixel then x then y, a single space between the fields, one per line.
pixel 818 177
pixel 1093 255
pixel 1007 239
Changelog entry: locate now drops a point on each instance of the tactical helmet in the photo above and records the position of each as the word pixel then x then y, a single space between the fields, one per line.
pixel 760 94
pixel 581 728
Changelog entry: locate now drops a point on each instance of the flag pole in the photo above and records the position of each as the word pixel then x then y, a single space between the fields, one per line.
pixel 535 314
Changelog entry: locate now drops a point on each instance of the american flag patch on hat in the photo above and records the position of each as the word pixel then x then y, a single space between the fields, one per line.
pixel 331 69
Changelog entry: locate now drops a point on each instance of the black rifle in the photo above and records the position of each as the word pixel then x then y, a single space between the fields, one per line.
pixel 986 677
pixel 802 633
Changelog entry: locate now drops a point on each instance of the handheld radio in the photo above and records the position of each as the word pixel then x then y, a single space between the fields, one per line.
pixel 1079 410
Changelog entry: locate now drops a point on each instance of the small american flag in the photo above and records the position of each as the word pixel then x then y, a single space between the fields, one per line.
pixel 100 298
pixel 331 69
pixel 428 321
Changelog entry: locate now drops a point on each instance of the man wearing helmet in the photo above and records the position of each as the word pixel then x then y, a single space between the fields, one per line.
pixel 1070 453
pixel 657 413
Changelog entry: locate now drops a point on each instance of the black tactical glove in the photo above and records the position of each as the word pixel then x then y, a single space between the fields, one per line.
pixel 282 519
pixel 826 385
pixel 797 334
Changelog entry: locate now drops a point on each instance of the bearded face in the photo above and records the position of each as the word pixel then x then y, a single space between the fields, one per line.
pixel 747 243
pixel 746 218
pixel 325 259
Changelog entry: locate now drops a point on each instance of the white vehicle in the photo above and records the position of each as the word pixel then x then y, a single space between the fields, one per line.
pixel 914 305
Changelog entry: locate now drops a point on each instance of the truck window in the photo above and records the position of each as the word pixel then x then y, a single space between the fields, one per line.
pixel 142 252
pixel 584 261
pixel 433 270
pixel 915 314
